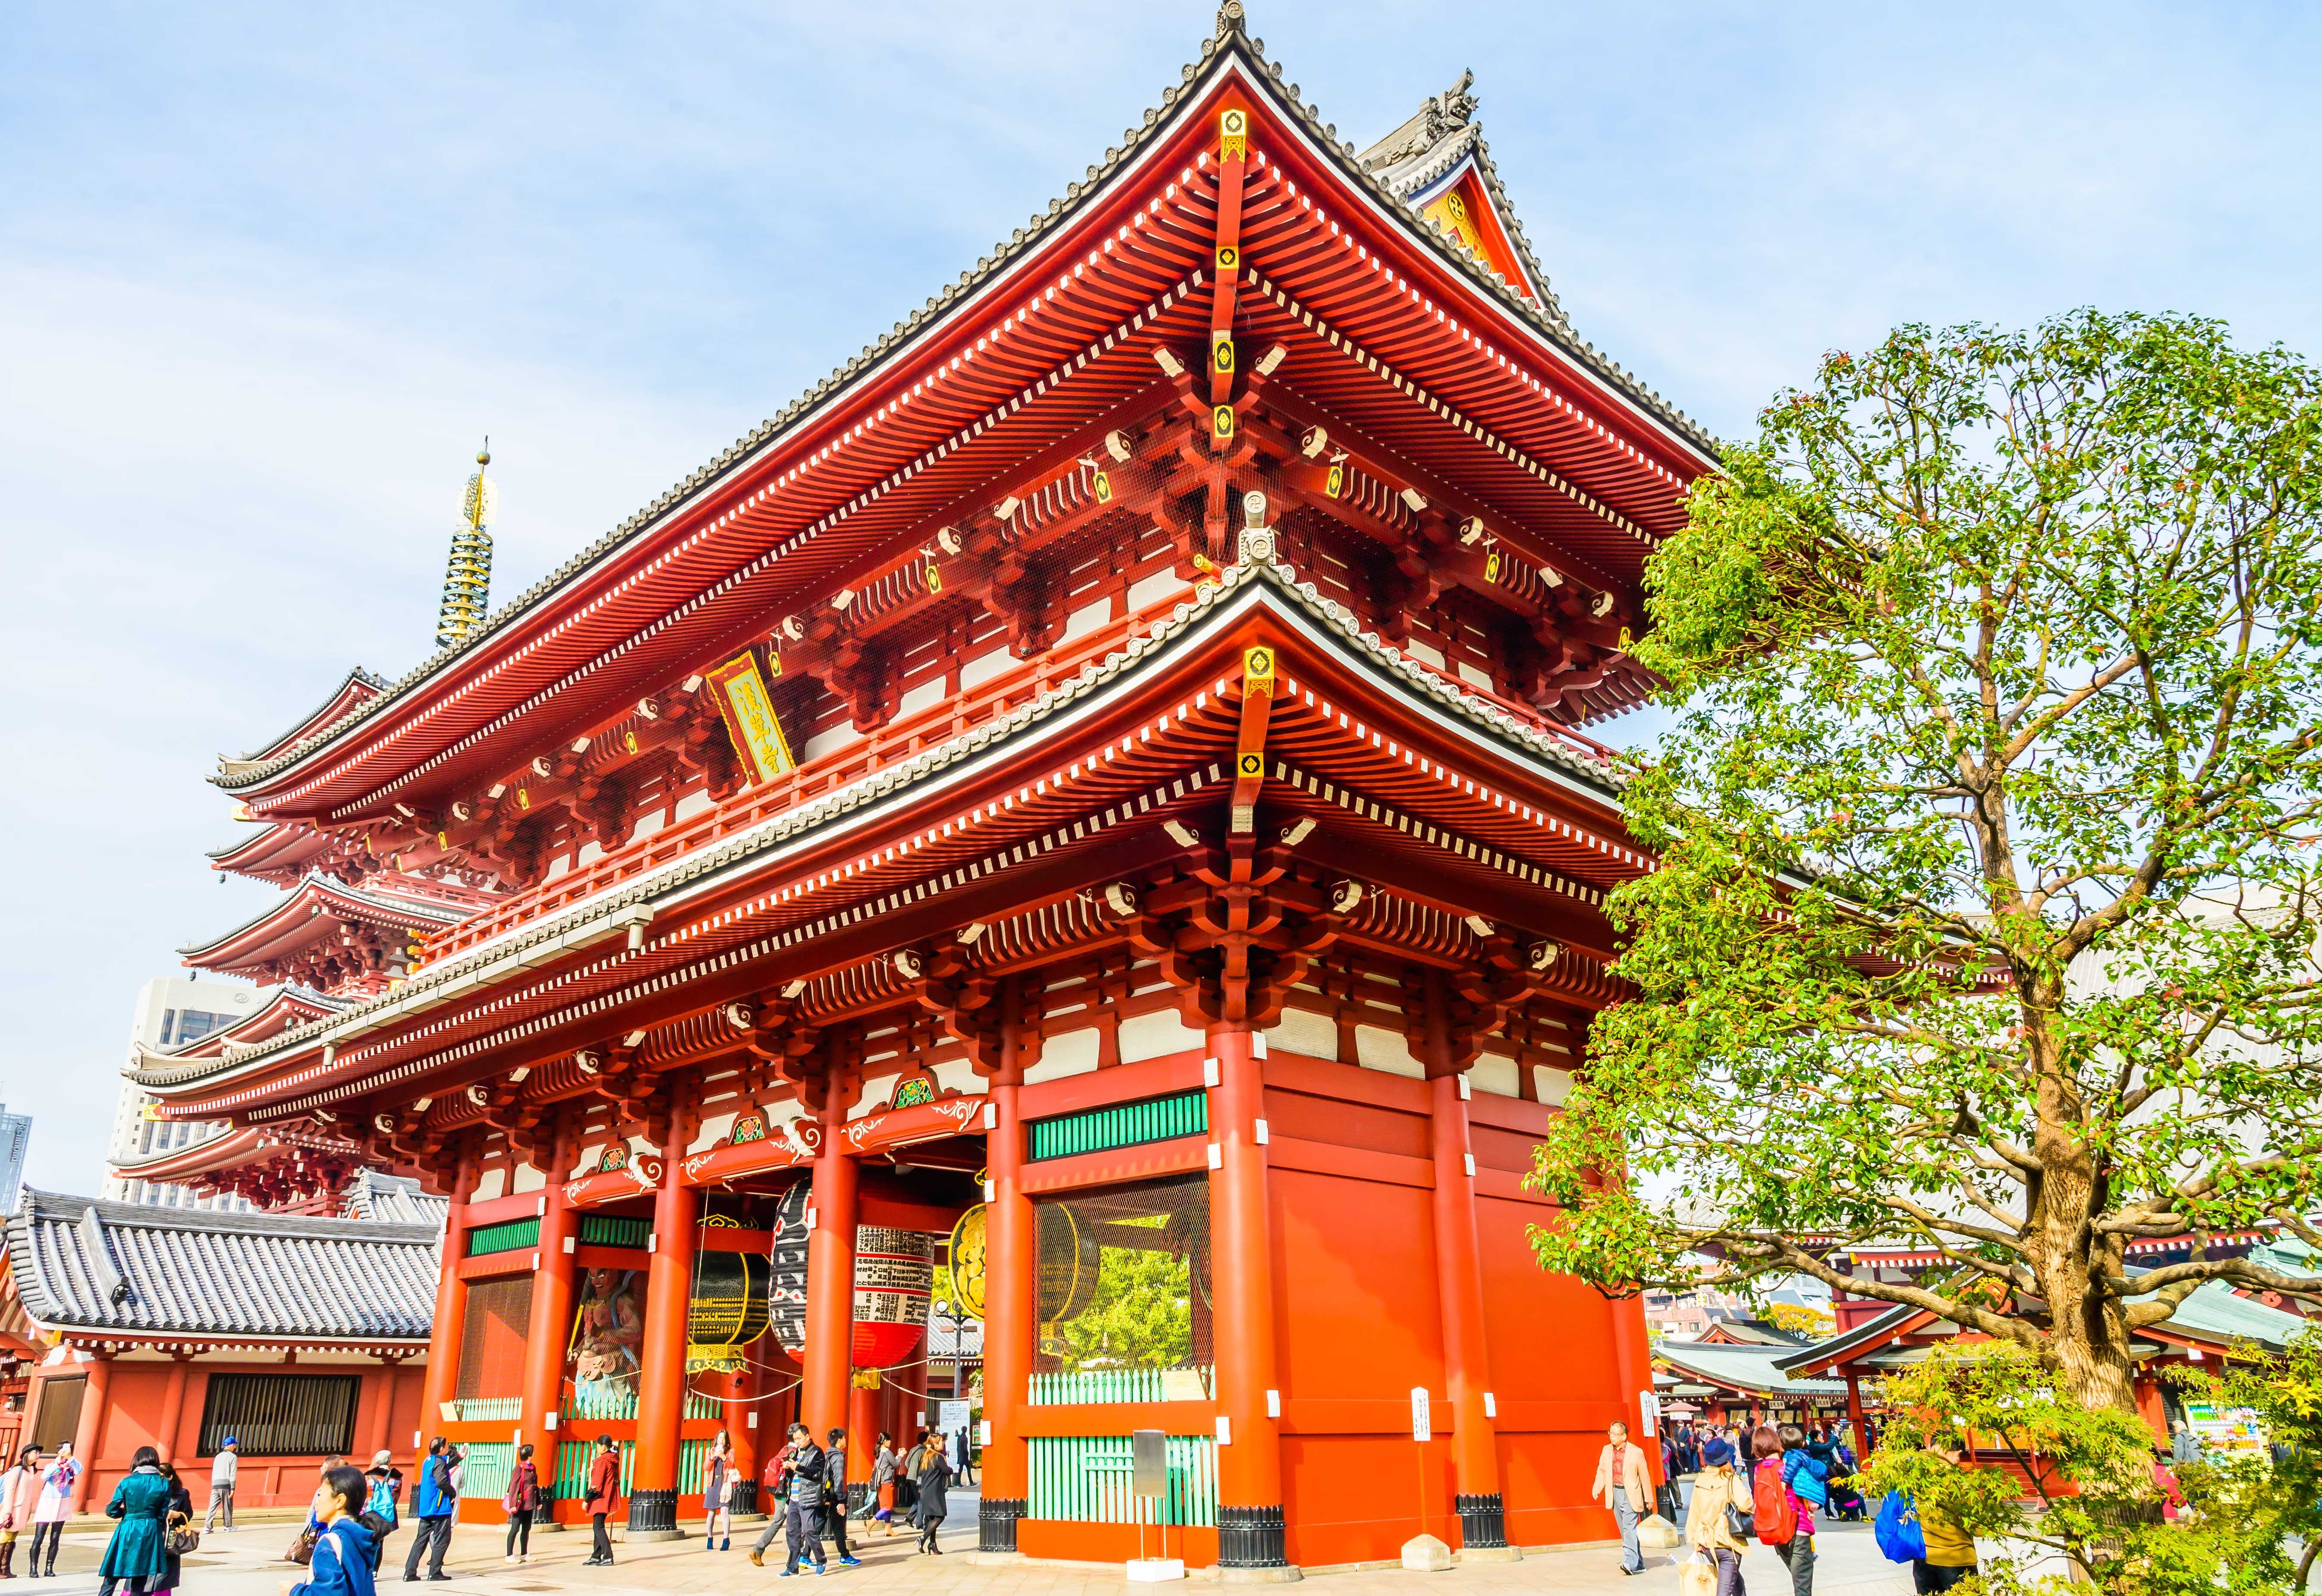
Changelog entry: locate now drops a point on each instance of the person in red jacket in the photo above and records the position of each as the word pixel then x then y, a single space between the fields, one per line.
pixel 604 1484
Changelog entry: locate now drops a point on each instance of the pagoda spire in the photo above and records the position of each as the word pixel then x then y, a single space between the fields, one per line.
pixel 468 575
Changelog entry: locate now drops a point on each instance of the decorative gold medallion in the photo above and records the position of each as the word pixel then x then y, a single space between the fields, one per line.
pixel 1222 421
pixel 1233 135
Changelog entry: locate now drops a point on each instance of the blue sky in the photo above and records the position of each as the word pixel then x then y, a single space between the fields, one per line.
pixel 268 274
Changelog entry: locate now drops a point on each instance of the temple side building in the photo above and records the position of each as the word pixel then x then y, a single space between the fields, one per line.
pixel 1094 799
pixel 138 1325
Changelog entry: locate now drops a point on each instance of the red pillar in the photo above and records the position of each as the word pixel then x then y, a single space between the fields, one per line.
pixel 830 1269
pixel 173 1408
pixel 1010 1293
pixel 862 1431
pixel 1854 1414
pixel 669 1293
pixel 443 1379
pixel 382 1413
pixel 550 1327
pixel 1459 1286
pixel 1250 1457
pixel 90 1429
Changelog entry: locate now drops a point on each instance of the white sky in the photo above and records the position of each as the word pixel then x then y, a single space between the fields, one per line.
pixel 268 273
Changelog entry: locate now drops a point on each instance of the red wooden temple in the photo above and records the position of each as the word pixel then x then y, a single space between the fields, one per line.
pixel 1095 792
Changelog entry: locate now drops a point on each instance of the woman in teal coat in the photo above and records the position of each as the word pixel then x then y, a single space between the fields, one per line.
pixel 142 1504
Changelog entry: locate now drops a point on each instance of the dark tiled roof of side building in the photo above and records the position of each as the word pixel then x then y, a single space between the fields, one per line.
pixel 82 1264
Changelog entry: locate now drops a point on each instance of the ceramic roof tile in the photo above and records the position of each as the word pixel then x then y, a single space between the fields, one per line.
pixel 185 1272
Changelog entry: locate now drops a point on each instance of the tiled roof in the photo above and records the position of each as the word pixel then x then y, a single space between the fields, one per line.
pixel 1230 39
pixel 396 1200
pixel 80 1265
pixel 1259 572
pixel 1743 1368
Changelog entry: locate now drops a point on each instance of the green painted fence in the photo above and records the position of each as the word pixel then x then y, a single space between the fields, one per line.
pixel 620 1401
pixel 573 1458
pixel 487 1410
pixel 504 1238
pixel 1086 1479
pixel 1124 1385
pixel 484 1474
pixel 1125 1124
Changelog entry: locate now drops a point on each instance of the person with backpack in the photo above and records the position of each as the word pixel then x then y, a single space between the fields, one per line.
pixel 433 1501
pixel 382 1510
pixel 1717 1523
pixel 1948 1552
pixel 804 1468
pixel 343 1555
pixel 1623 1485
pixel 1784 1519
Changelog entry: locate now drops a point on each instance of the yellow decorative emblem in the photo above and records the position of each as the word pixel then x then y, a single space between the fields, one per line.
pixel 1222 421
pixel 968 1241
pixel 1228 258
pixel 1103 486
pixel 1335 483
pixel 1222 353
pixel 1492 566
pixel 1233 135
pixel 750 718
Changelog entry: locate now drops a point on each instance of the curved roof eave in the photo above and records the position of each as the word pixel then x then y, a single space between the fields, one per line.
pixel 1554 761
pixel 1228 48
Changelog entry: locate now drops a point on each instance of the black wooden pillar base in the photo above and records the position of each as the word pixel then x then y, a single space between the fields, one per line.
pixel 995 1523
pixel 652 1512
pixel 742 1496
pixel 1483 1520
pixel 1250 1538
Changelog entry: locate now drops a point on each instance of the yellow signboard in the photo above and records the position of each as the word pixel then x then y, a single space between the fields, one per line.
pixel 750 718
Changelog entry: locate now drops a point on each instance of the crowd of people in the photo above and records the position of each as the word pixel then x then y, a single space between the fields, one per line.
pixel 354 1511
pixel 1730 1486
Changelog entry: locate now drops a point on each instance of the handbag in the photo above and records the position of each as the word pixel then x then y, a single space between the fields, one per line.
pixel 181 1538
pixel 1741 1522
pixel 1697 1576
pixel 302 1550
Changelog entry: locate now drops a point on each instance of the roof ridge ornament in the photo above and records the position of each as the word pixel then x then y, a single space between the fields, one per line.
pixel 1232 19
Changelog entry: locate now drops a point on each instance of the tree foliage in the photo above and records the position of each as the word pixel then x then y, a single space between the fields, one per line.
pixel 1984 912
pixel 2092 1511
pixel 1140 1318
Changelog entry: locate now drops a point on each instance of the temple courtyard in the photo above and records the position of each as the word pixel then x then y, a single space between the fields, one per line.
pixel 248 1562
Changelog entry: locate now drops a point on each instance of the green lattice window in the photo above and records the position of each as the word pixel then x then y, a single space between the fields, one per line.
pixel 614 1230
pixel 1123 1125
pixel 504 1238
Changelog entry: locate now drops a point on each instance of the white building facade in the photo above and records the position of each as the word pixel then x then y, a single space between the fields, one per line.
pixel 172 1011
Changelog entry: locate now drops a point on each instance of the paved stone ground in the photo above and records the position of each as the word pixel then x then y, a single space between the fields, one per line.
pixel 249 1564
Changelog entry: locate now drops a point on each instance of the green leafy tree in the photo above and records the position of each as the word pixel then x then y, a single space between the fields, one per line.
pixel 2092 1514
pixel 1984 915
pixel 1140 1318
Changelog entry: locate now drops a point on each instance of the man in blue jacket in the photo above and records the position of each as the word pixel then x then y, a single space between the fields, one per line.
pixel 433 1502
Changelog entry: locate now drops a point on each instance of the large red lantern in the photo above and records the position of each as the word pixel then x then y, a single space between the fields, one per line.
pixel 894 1272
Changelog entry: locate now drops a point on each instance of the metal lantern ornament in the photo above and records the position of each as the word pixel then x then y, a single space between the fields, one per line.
pixel 728 1309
